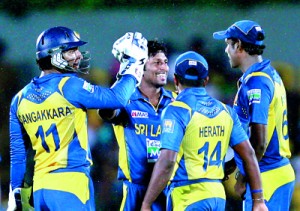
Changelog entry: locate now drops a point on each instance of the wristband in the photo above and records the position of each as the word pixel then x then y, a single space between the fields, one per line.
pixel 260 199
pixel 256 191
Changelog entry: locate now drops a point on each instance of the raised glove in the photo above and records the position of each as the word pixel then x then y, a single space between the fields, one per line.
pixel 132 51
pixel 131 44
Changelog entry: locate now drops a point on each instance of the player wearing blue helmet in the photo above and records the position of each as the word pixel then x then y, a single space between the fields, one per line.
pixel 196 132
pixel 261 105
pixel 49 116
pixel 51 45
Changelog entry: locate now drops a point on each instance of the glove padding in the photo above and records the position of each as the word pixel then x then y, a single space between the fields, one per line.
pixel 19 199
pixel 132 52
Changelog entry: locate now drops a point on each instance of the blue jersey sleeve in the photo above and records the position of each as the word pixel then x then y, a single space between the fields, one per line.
pixel 174 121
pixel 260 91
pixel 17 147
pixel 85 95
pixel 238 134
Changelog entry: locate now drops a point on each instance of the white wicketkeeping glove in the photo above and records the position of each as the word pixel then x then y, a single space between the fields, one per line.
pixel 229 154
pixel 19 199
pixel 132 52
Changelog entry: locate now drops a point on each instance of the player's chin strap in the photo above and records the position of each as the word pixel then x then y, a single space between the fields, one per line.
pixel 57 60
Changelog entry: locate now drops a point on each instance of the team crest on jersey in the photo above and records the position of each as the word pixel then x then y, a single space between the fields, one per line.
pixel 254 96
pixel 139 114
pixel 168 126
pixel 88 87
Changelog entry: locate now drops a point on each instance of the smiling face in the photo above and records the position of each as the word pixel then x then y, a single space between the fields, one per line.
pixel 156 70
pixel 73 57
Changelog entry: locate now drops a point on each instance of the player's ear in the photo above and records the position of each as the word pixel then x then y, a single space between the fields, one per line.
pixel 146 64
pixel 238 45
pixel 176 81
pixel 205 82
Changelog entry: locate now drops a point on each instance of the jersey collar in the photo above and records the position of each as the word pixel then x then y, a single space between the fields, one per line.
pixel 255 68
pixel 137 95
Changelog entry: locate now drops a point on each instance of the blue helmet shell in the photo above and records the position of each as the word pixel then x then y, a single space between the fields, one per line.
pixel 56 39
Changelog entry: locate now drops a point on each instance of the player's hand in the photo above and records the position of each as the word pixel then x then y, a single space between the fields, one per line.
pixel 259 206
pixel 132 52
pixel 132 45
pixel 146 207
pixel 19 199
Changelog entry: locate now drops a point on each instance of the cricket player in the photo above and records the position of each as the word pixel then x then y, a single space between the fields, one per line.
pixel 261 105
pixel 196 133
pixel 49 115
pixel 137 129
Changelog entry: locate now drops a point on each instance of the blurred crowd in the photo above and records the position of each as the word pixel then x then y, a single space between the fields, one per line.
pixel 104 148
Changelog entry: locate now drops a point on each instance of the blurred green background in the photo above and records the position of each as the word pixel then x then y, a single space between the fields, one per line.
pixel 182 25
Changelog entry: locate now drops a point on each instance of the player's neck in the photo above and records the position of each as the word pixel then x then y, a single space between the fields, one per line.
pixel 251 60
pixel 149 90
pixel 152 93
pixel 47 72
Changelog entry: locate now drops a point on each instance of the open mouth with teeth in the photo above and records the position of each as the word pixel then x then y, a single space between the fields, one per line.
pixel 161 75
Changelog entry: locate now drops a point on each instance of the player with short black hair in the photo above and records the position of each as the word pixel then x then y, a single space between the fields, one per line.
pixel 196 133
pixel 261 105
pixel 137 129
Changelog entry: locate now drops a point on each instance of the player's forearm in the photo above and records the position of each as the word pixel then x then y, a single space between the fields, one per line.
pixel 17 173
pixel 124 88
pixel 258 139
pixel 161 174
pixel 253 175
pixel 17 160
pixel 251 167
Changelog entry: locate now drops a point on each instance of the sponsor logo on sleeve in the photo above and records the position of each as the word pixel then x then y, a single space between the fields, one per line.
pixel 254 96
pixel 88 87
